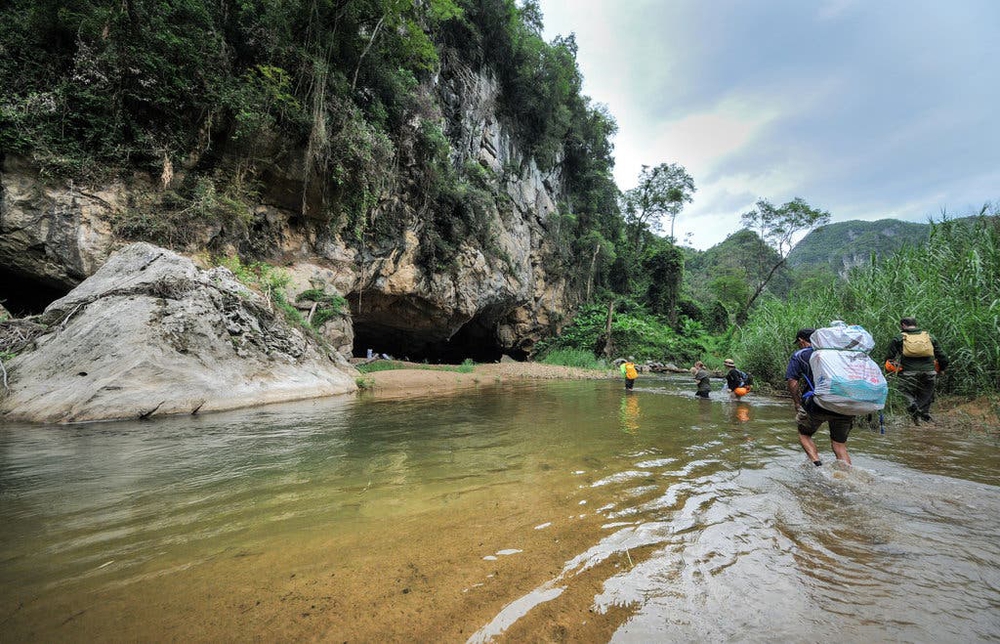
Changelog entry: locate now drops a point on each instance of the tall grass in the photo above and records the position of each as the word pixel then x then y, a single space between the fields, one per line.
pixel 951 284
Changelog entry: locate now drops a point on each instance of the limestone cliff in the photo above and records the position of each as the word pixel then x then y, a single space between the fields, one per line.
pixel 487 300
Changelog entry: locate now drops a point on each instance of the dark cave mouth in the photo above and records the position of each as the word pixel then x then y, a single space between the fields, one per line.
pixel 471 342
pixel 411 328
pixel 23 296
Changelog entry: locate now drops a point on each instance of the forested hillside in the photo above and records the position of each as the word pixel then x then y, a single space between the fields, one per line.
pixel 845 244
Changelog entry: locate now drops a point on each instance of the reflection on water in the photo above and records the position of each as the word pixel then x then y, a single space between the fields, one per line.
pixel 520 511
pixel 630 412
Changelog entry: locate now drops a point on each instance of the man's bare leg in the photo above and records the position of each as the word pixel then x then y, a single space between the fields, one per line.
pixel 840 449
pixel 810 447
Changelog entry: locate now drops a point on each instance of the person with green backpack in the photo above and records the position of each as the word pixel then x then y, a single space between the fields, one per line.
pixel 915 356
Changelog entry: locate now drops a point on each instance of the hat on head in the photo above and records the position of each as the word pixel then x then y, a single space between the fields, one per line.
pixel 729 362
pixel 804 334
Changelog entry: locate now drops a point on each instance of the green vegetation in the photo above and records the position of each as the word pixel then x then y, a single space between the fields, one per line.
pixel 269 282
pixel 949 284
pixel 837 247
pixel 776 228
pixel 328 305
pixel 467 366
pixel 662 192
pixel 635 332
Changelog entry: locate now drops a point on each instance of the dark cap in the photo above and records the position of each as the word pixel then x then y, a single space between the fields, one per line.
pixel 804 334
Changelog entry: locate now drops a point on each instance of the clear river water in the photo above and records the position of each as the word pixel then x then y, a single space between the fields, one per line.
pixel 525 511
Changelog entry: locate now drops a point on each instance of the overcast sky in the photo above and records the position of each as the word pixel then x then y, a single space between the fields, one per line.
pixel 868 109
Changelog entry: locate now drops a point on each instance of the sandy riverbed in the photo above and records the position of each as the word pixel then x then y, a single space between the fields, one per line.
pixel 430 379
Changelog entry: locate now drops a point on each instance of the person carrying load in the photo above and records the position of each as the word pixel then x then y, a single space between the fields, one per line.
pixel 629 371
pixel 917 358
pixel 832 379
pixel 738 382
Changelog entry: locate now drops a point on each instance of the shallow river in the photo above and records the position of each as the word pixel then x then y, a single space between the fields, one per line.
pixel 531 511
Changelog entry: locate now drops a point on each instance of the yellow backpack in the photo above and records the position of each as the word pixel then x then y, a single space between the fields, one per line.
pixel 630 371
pixel 918 345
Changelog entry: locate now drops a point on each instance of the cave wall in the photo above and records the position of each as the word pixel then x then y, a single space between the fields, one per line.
pixel 56 234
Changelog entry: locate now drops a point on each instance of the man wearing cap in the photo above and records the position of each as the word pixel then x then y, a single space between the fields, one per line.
pixel 809 415
pixel 736 379
pixel 918 359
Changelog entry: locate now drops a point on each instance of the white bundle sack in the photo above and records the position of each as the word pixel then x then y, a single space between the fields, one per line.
pixel 845 379
pixel 847 382
pixel 841 336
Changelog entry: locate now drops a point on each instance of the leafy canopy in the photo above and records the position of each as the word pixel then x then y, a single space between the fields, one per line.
pixel 662 192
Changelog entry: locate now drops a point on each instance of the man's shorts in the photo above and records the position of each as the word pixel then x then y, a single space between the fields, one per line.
pixel 840 425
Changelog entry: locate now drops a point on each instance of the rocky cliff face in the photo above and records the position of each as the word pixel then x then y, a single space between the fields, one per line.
pixel 484 304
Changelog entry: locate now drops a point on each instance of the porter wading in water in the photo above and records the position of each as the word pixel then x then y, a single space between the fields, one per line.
pixel 737 382
pixel 629 371
pixel 809 415
pixel 703 379
pixel 915 356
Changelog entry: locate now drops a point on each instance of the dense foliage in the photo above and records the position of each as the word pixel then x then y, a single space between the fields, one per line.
pixel 635 332
pixel 949 284
pixel 214 101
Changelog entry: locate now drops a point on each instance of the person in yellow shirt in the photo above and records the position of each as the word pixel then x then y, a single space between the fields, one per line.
pixel 630 372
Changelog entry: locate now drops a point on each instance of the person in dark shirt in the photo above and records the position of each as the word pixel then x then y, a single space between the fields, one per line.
pixel 917 358
pixel 809 415
pixel 737 382
pixel 702 377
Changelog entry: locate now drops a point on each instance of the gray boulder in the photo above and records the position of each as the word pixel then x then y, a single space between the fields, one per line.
pixel 150 333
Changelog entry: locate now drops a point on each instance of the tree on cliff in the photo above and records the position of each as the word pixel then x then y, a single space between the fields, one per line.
pixel 775 227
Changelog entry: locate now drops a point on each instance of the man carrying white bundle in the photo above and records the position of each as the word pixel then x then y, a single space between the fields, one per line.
pixel 808 414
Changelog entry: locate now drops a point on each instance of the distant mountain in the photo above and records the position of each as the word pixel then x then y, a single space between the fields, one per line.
pixel 851 243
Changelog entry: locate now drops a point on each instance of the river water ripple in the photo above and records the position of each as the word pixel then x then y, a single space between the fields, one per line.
pixel 539 511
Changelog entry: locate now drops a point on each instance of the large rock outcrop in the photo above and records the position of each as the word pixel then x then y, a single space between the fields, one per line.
pixel 150 333
pixel 487 301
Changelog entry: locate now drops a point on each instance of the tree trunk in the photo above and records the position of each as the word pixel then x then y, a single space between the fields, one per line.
pixel 742 316
pixel 590 276
pixel 607 331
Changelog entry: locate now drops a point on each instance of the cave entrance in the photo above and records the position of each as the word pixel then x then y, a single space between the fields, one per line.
pixel 471 342
pixel 402 328
pixel 24 295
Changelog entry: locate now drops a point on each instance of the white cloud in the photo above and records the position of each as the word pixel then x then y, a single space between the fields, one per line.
pixel 867 110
